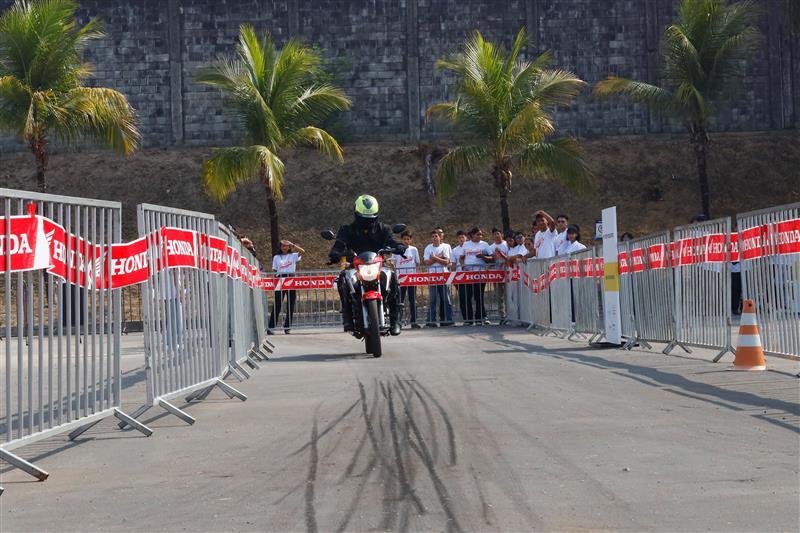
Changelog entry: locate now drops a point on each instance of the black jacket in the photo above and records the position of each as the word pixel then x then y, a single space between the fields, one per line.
pixel 364 235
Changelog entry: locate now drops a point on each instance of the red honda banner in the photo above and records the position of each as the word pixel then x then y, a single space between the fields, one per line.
pixel 179 247
pixel 26 244
pixel 574 269
pixel 421 279
pixel 588 267
pixel 637 260
pixel 622 259
pixel 299 283
pixel 562 269
pixel 599 267
pixel 750 242
pixel 553 272
pixel 715 248
pixel 542 282
pixel 129 263
pixel 734 247
pixel 789 237
pixel 657 256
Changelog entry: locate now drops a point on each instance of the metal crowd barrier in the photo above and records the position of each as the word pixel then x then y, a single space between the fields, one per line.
pixel 769 253
pixel 308 299
pixel 626 306
pixel 586 295
pixel 702 286
pixel 653 294
pixel 560 295
pixel 539 271
pixel 61 346
pixel 184 310
pixel 243 323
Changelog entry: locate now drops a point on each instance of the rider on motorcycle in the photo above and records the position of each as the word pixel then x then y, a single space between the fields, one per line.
pixel 366 234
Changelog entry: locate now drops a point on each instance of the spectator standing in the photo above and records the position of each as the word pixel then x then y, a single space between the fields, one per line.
pixel 407 264
pixel 573 242
pixel 562 221
pixel 440 231
pixel 544 238
pixel 498 255
pixel 437 257
pixel 456 264
pixel 284 264
pixel 473 258
pixel 518 252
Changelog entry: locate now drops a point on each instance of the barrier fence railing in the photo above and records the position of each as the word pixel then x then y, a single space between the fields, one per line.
pixel 626 305
pixel 769 255
pixel 242 322
pixel 702 285
pixel 61 349
pixel 647 264
pixel 184 306
pixel 586 294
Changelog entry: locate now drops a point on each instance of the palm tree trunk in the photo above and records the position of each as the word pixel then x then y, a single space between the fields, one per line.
pixel 699 141
pixel 502 180
pixel 38 146
pixel 274 232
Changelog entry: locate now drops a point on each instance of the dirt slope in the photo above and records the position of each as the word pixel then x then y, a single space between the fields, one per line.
pixel 651 180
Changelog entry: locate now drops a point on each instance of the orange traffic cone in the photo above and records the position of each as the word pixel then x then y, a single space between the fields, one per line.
pixel 749 352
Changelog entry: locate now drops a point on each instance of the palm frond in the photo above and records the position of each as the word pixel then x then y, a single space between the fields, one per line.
pixel 317 103
pixel 454 165
pixel 556 88
pixel 227 168
pixel 645 93
pixel 560 160
pixel 15 103
pixel 97 113
pixel 530 125
pixel 321 140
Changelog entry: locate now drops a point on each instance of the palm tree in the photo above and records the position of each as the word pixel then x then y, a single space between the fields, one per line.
pixel 41 83
pixel 504 107
pixel 277 101
pixel 701 52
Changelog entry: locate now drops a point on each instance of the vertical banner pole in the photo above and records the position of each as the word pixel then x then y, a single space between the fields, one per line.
pixel 611 308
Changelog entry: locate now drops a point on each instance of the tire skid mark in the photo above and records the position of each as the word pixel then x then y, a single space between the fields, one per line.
pixel 311 515
pixel 451 436
pixel 428 414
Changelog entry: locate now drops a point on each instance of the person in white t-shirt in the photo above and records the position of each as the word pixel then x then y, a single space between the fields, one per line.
pixel 562 221
pixel 455 264
pixel 573 242
pixel 407 264
pixel 475 252
pixel 437 258
pixel 285 264
pixel 498 250
pixel 545 235
pixel 518 252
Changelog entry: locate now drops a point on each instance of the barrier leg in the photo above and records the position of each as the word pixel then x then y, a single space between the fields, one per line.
pixel 183 415
pixel 252 361
pixel 239 367
pixel 136 414
pixel 23 465
pixel 230 391
pixel 671 346
pixel 132 422
pixel 723 352
pixel 199 394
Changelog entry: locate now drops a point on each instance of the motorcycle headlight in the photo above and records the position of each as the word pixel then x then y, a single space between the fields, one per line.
pixel 369 272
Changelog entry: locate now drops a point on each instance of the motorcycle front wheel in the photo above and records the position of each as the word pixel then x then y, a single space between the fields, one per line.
pixel 373 330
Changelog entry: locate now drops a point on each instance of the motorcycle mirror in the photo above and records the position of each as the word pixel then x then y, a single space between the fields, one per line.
pixel 327 234
pixel 399 228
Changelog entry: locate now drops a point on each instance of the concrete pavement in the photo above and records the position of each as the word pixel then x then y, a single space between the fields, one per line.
pixel 459 429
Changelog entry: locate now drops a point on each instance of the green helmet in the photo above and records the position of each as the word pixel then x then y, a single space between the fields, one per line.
pixel 366 206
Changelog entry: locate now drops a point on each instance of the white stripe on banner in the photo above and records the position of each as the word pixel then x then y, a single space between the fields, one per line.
pixel 450 278
pixel 748 341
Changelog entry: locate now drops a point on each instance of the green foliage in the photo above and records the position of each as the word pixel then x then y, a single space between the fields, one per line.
pixel 505 107
pixel 278 101
pixel 702 54
pixel 42 74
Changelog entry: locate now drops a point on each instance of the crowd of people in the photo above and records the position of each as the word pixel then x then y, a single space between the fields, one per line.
pixel 549 237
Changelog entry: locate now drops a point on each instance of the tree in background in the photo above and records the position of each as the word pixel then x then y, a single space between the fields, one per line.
pixel 504 107
pixel 702 52
pixel 41 83
pixel 277 101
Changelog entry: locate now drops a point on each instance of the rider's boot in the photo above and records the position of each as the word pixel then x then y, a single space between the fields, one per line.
pixel 394 322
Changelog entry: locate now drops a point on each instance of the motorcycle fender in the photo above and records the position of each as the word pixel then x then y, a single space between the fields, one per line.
pixel 372 295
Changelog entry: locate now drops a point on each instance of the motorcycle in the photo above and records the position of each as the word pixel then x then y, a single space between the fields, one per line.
pixel 368 280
